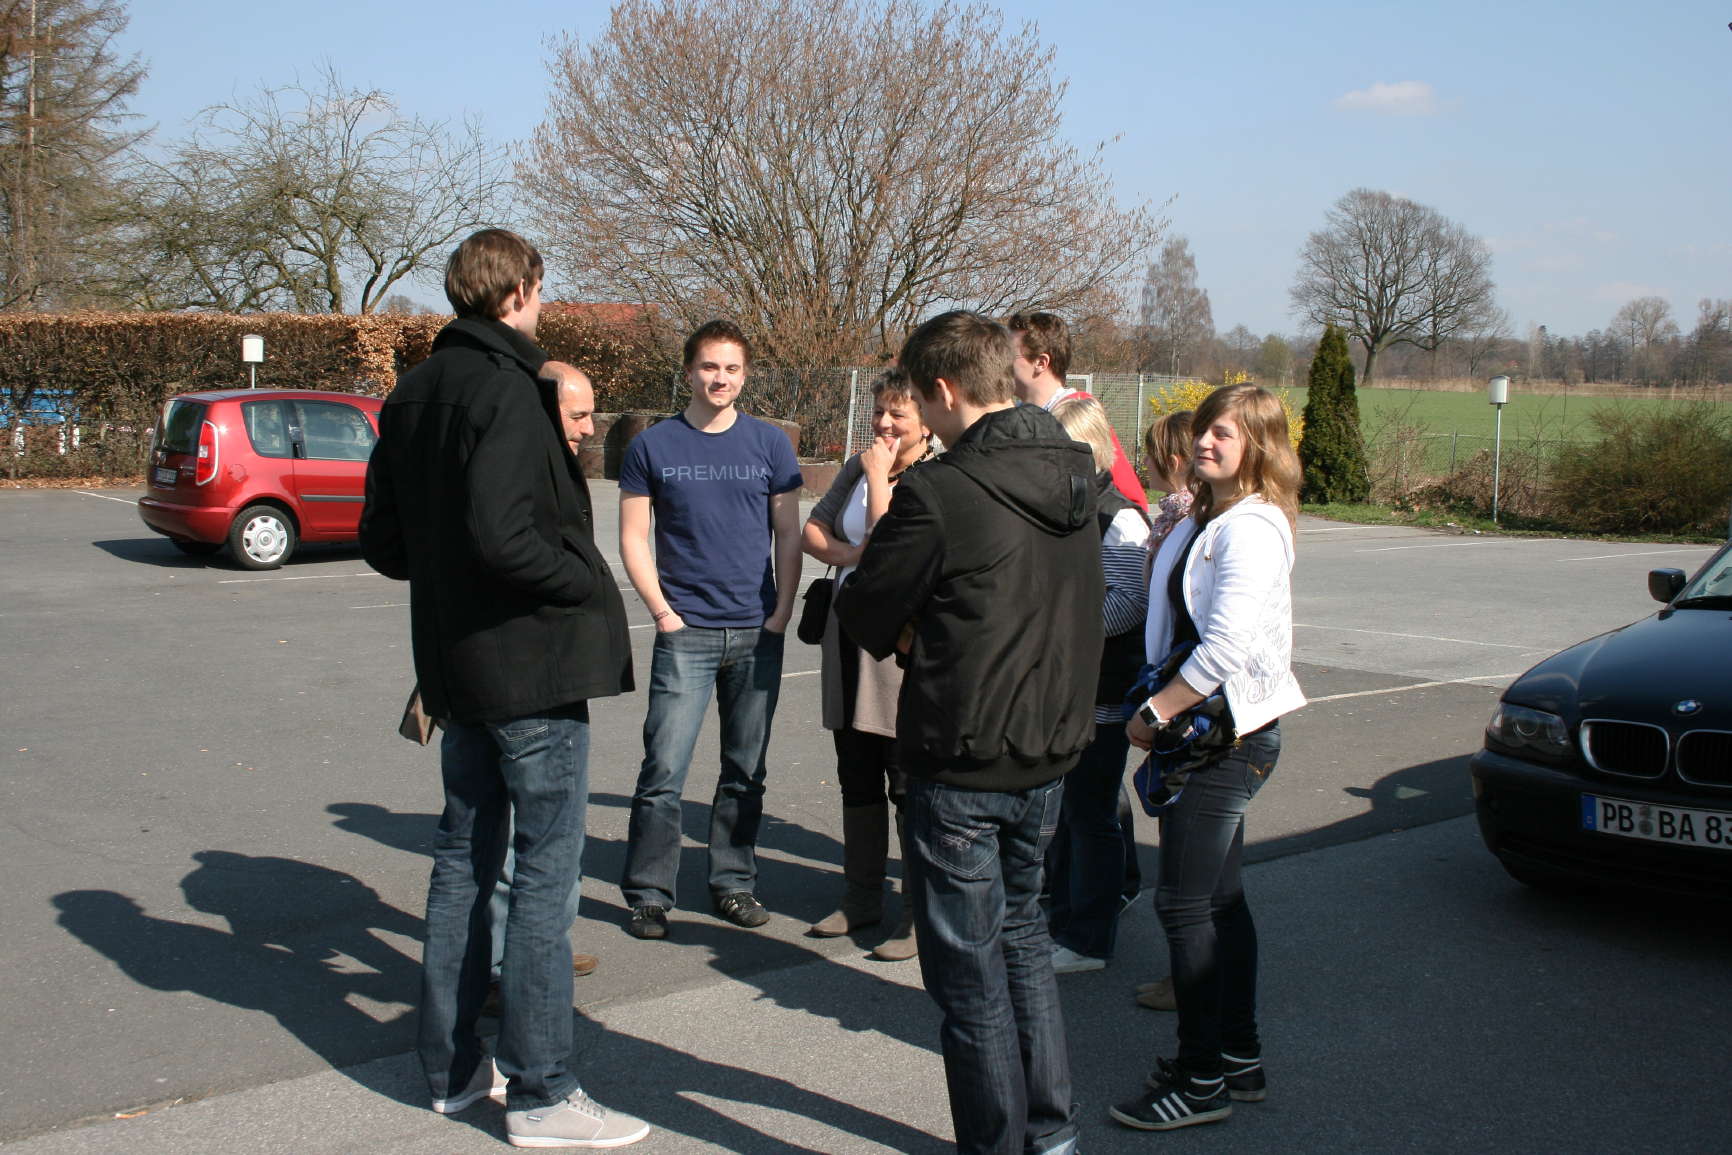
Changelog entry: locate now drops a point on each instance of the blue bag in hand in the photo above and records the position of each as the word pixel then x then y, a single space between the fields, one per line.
pixel 1185 744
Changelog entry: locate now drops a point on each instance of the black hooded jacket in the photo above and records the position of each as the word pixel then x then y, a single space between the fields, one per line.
pixel 992 552
pixel 473 497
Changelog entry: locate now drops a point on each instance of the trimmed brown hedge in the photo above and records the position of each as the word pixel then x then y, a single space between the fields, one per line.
pixel 110 373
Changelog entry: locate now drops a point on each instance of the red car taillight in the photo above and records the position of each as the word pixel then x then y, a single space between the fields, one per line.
pixel 205 468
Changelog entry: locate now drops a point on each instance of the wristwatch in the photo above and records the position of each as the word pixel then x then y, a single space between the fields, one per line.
pixel 1151 718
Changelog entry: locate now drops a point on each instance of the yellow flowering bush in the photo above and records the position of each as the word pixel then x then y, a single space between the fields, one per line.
pixel 1189 395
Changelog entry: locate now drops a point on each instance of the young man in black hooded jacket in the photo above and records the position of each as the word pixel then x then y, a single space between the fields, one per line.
pixel 986 573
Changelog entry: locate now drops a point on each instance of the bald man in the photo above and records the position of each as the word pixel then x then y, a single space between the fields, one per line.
pixel 574 397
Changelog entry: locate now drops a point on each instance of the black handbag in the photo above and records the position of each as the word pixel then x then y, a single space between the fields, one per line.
pixel 815 613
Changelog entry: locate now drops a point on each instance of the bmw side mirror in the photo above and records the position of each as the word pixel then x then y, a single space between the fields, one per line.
pixel 1664 584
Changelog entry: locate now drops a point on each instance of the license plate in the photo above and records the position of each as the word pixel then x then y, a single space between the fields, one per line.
pixel 162 475
pixel 1645 820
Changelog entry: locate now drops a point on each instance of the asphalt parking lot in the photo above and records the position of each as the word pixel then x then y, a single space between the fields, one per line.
pixel 216 855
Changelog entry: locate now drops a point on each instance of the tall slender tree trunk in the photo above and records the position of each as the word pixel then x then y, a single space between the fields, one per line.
pixel 1370 360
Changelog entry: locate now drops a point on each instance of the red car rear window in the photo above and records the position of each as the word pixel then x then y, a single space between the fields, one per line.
pixel 180 425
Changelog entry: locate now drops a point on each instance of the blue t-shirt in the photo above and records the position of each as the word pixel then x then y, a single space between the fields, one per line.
pixel 710 494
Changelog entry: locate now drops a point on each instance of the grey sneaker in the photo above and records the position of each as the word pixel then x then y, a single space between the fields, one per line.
pixel 484 1082
pixel 575 1121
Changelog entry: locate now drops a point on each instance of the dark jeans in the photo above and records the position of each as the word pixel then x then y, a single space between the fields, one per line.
pixel 1210 935
pixel 1089 876
pixel 974 870
pixel 1133 884
pixel 744 669
pixel 500 905
pixel 867 768
pixel 531 771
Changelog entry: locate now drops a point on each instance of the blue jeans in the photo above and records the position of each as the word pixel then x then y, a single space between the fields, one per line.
pixel 532 772
pixel 744 667
pixel 1211 937
pixel 1089 878
pixel 974 868
pixel 499 906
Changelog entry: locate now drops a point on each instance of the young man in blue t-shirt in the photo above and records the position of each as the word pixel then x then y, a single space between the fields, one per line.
pixel 723 492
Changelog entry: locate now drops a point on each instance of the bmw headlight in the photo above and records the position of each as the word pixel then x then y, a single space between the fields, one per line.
pixel 1529 733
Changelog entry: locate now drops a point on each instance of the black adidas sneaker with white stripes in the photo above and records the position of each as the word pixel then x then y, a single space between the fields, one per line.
pixel 1183 1102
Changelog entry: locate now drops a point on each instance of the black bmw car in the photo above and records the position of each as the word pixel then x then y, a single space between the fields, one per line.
pixel 1611 762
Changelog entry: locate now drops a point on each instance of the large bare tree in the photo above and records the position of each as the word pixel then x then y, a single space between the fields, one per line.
pixel 1177 320
pixel 63 91
pixel 318 199
pixel 1647 327
pixel 1388 271
pixel 826 171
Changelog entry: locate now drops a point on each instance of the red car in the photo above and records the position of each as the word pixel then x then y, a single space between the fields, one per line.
pixel 259 470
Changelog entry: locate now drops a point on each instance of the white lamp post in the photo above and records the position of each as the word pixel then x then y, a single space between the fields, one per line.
pixel 1498 394
pixel 253 352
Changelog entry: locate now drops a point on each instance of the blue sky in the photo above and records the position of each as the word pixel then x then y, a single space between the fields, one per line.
pixel 1589 142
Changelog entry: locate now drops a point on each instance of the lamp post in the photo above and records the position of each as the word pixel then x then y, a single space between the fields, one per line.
pixel 1498 394
pixel 252 352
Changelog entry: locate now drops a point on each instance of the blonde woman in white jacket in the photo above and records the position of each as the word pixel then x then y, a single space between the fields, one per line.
pixel 1221 581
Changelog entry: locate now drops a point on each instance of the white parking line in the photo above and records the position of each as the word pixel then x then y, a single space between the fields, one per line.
pixel 1417 637
pixel 1340 528
pixel 1638 553
pixel 1443 545
pixel 1414 686
pixel 107 497
pixel 312 577
pixel 381 606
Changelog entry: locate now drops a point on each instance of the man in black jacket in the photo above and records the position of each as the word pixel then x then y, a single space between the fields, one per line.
pixel 986 572
pixel 473 497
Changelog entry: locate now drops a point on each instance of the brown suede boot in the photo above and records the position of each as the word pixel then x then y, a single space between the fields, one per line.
pixel 865 846
pixel 901 945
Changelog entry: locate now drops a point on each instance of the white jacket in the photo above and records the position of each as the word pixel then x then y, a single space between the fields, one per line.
pixel 1237 589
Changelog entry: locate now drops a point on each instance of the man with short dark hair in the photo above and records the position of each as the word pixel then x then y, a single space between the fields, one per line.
pixel 986 572
pixel 723 492
pixel 1041 366
pixel 472 497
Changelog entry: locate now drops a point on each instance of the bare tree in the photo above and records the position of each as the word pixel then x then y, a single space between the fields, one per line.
pixel 826 171
pixel 1274 360
pixel 1646 325
pixel 63 120
pixel 1175 312
pixel 1711 341
pixel 1239 346
pixel 1480 337
pixel 317 199
pixel 1388 271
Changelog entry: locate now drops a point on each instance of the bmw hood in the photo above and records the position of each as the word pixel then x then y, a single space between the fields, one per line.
pixel 1643 672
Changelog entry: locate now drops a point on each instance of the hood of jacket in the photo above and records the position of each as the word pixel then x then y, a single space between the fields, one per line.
pixel 1025 460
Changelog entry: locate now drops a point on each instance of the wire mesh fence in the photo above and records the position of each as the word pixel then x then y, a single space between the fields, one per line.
pixel 833 406
pixel 837 414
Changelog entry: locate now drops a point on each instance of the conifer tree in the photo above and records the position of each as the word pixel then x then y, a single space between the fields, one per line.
pixel 1332 452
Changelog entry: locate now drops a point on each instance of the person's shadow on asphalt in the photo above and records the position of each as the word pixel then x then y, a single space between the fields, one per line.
pixel 301 947
pixel 644 1071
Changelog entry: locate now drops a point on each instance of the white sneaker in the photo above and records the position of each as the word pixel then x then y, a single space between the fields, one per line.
pixel 1066 961
pixel 485 1082
pixel 575 1121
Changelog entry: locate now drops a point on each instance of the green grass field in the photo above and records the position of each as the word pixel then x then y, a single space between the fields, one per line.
pixel 1548 417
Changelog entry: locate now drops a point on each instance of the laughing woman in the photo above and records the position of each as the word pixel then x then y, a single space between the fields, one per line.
pixel 1221 583
pixel 859 694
